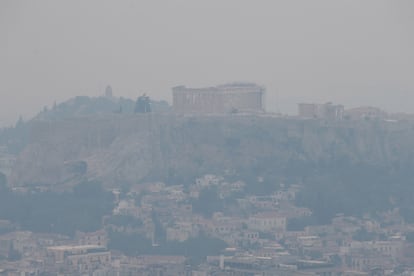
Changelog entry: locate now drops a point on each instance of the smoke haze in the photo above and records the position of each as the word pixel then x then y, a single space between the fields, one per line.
pixel 350 52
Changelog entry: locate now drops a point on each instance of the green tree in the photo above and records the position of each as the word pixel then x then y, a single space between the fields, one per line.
pixel 208 202
pixel 3 182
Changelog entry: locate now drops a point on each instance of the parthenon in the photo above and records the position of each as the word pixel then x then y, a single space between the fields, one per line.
pixel 222 99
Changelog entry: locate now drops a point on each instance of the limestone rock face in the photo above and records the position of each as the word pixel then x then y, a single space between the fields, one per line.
pixel 118 149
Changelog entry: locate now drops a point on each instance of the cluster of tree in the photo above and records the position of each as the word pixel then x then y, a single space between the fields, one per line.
pixel 356 189
pixel 81 209
pixel 299 224
pixel 3 182
pixel 363 235
pixel 124 220
pixel 330 187
pixel 86 106
pixel 409 237
pixel 196 249
pixel 15 138
pixel 208 202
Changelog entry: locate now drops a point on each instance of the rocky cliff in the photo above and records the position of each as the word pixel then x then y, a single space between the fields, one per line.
pixel 120 149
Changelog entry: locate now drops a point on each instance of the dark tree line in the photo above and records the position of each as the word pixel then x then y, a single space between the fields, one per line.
pixel 81 209
pixel 197 249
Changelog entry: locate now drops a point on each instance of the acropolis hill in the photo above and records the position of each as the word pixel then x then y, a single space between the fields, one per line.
pixel 118 149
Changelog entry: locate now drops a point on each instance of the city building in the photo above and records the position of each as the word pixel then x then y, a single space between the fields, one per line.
pixel 98 238
pixel 267 221
pixel 78 258
pixel 222 99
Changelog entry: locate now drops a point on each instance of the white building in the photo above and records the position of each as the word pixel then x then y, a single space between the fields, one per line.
pixel 270 221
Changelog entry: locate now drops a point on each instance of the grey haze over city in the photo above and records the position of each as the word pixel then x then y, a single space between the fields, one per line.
pixel 353 52
pixel 196 138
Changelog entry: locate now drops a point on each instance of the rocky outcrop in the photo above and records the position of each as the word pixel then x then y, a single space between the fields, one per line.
pixel 126 148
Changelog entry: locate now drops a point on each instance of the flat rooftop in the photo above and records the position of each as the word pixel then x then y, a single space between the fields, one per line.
pixel 74 247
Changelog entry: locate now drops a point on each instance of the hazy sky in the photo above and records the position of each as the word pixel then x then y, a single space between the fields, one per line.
pixel 350 52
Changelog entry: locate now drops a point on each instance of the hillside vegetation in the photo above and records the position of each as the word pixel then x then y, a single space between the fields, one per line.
pixel 350 167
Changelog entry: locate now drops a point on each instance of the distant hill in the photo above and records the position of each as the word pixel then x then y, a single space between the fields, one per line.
pixel 353 167
pixel 87 106
pixel 349 167
pixel 133 148
pixel 14 139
